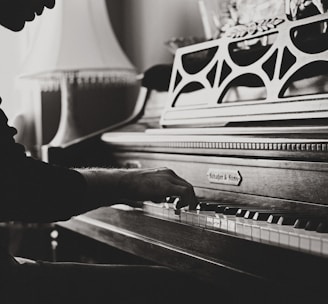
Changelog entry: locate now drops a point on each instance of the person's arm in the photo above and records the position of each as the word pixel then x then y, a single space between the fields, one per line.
pixel 110 186
pixel 31 190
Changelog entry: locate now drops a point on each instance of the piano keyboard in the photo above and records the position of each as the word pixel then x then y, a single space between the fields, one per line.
pixel 280 228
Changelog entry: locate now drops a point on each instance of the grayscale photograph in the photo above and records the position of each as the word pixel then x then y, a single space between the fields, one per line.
pixel 163 151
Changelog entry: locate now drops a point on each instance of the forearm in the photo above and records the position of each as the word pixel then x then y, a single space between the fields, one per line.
pixel 31 190
pixel 104 186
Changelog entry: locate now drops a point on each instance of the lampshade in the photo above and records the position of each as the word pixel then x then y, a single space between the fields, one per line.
pixel 75 45
pixel 76 36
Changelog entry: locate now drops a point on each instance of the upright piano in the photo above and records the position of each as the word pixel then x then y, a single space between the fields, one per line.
pixel 245 121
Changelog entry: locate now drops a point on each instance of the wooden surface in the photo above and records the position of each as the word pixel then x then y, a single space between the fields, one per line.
pixel 219 258
pixel 299 181
pixel 283 145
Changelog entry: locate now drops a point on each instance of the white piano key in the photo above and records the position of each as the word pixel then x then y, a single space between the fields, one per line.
pixel 231 226
pixel 224 223
pixel 171 214
pixel 189 217
pixel 315 243
pixel 240 225
pixel 165 210
pixel 294 239
pixel 324 244
pixel 183 217
pixel 148 209
pixel 274 235
pixel 280 235
pixel 265 233
pixel 284 238
pixel 244 226
pixel 304 240
pixel 284 233
pixel 248 228
pixel 195 218
pixel 217 222
pixel 231 221
pixel 310 241
pixel 151 208
pixel 289 236
pixel 202 220
pixel 256 231
pixel 210 222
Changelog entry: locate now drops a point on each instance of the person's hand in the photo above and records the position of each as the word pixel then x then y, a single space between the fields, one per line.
pixel 155 185
pixel 111 186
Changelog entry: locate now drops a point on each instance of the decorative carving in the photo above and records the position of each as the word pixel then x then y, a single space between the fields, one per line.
pixel 253 27
pixel 287 146
pixel 263 82
pixel 295 7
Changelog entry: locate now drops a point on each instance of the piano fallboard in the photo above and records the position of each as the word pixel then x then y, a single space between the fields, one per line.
pixel 296 185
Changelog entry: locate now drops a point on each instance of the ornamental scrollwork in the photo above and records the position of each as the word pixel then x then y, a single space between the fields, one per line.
pixel 253 28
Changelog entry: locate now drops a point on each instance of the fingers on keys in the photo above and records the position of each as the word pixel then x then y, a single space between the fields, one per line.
pixel 183 190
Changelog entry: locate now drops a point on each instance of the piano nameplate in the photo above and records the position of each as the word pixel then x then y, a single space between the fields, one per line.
pixel 222 176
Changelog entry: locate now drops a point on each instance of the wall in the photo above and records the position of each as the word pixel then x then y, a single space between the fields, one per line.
pixel 143 26
pixel 10 56
pixel 17 95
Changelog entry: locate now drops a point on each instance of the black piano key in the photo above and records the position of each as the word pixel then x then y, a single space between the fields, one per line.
pixel 323 227
pixel 177 211
pixel 246 213
pixel 227 209
pixel 254 214
pixel 220 208
pixel 277 214
pixel 241 212
pixel 287 220
pixel 261 215
pixel 300 223
pixel 274 218
pixel 230 210
pixel 170 199
pixel 312 224
pixel 206 206
pixel 249 214
pixel 175 202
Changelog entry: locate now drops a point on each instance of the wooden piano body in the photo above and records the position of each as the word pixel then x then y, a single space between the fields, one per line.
pixel 268 151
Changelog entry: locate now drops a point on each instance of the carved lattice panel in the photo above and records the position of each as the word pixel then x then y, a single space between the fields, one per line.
pixel 275 69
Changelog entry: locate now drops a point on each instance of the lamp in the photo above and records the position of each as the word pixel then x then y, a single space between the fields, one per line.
pixel 75 46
